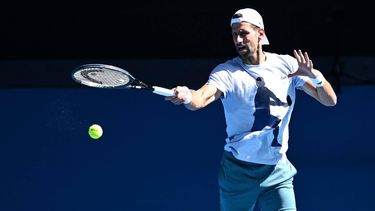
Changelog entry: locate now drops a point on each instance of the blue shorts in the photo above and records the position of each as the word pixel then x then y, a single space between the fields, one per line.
pixel 243 185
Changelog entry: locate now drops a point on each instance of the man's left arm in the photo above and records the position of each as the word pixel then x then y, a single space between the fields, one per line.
pixel 317 87
pixel 324 94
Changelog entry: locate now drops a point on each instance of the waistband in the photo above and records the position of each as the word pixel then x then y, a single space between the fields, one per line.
pixel 229 156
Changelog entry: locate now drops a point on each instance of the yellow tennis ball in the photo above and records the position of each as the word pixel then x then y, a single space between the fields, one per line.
pixel 95 131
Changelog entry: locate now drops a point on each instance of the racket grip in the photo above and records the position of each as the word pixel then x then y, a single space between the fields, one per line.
pixel 163 91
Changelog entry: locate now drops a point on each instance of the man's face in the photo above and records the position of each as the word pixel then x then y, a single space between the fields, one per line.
pixel 246 38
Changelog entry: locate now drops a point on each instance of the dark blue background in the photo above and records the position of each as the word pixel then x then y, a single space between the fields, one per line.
pixel 157 156
pixel 153 155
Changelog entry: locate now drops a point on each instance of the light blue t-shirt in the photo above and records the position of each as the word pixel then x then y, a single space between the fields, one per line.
pixel 258 101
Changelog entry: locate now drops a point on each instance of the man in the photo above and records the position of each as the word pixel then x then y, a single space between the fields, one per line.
pixel 257 90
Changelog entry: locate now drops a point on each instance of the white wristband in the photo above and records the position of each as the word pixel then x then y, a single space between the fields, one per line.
pixel 185 92
pixel 188 98
pixel 319 80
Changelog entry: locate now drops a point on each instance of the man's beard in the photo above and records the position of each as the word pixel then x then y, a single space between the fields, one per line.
pixel 246 55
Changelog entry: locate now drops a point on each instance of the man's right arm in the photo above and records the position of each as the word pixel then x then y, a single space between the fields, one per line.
pixel 195 99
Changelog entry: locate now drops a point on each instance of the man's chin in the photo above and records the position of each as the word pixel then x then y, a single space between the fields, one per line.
pixel 243 54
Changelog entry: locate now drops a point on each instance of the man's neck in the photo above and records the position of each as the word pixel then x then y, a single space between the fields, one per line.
pixel 258 58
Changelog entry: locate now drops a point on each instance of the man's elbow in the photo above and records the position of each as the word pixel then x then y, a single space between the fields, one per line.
pixel 331 102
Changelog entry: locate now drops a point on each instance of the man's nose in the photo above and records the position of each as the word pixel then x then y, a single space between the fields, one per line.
pixel 238 39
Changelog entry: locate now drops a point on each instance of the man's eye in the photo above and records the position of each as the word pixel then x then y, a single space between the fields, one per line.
pixel 242 34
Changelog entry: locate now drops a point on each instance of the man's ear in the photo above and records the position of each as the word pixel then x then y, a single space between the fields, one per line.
pixel 262 33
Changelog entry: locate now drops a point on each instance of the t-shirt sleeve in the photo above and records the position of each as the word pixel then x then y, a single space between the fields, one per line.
pixel 221 79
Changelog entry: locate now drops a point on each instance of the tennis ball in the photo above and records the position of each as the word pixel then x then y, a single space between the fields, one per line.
pixel 95 131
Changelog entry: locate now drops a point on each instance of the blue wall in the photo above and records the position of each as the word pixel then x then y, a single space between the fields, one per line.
pixel 157 156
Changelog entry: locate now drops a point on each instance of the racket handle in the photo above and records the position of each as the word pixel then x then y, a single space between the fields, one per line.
pixel 163 91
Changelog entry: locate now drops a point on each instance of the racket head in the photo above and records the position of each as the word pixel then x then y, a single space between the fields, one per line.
pixel 102 76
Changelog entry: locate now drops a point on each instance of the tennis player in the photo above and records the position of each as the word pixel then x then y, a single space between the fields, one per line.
pixel 257 90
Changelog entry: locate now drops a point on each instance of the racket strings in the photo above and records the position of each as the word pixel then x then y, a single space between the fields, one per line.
pixel 105 77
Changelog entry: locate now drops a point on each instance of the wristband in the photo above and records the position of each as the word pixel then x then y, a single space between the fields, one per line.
pixel 318 81
pixel 187 94
pixel 188 98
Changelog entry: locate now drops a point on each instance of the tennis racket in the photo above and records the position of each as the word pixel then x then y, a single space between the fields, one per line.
pixel 108 76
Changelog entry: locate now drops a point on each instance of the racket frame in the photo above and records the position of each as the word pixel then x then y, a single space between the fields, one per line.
pixel 133 82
